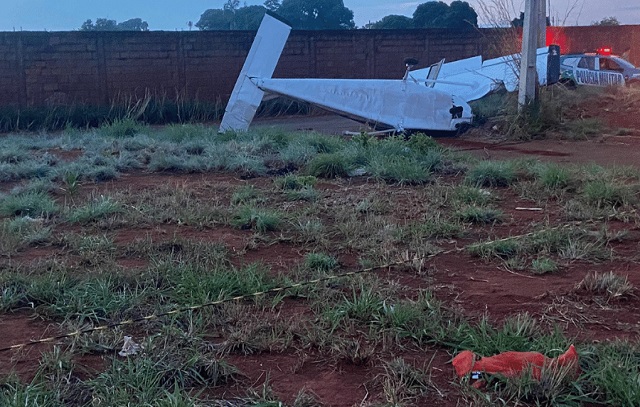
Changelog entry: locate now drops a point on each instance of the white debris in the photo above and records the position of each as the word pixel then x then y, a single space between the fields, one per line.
pixel 129 347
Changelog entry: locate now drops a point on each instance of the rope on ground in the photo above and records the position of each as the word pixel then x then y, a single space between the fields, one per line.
pixel 265 292
pixel 222 301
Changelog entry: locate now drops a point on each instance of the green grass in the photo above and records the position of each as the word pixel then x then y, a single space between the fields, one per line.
pixel 479 215
pixel 96 209
pixel 33 204
pixel 491 174
pixel 544 265
pixel 114 253
pixel 602 193
pixel 327 165
pixel 320 261
pixel 262 220
pixel 554 177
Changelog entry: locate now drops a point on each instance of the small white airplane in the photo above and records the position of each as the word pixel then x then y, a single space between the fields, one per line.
pixel 430 99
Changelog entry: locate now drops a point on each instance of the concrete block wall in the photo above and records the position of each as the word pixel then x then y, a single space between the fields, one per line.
pixel 97 68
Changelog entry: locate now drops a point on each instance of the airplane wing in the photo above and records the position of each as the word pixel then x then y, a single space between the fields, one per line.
pixel 472 78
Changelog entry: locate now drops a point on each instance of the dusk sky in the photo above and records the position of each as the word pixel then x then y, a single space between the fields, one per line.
pixel 171 15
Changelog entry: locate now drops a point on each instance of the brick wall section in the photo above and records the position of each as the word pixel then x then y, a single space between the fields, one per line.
pixel 40 68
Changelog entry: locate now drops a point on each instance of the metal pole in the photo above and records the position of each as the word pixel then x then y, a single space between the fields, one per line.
pixel 527 89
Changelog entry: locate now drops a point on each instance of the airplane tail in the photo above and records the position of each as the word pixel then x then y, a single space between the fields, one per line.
pixel 261 63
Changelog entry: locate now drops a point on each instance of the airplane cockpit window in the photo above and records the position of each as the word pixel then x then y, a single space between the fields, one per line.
pixel 587 63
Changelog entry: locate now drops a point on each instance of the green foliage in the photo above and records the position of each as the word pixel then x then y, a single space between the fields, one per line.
pixel 295 182
pixel 611 372
pixel 471 195
pixel 399 169
pixel 392 22
pixel 17 232
pixel 363 304
pixel 262 220
pixel 610 285
pixel 316 14
pixel 437 14
pixel 120 128
pixel 543 265
pixel 502 249
pixel 554 177
pixel 603 193
pixel 241 18
pixel 403 383
pixel 320 261
pixel 491 174
pixel 96 209
pixel 422 144
pixel 104 24
pixel 34 204
pixel 607 21
pixel 193 284
pixel 481 215
pixel 327 166
pixel 245 194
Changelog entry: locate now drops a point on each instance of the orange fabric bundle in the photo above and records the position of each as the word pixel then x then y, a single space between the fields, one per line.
pixel 511 364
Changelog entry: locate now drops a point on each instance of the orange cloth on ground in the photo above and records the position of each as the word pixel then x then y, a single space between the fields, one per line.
pixel 512 364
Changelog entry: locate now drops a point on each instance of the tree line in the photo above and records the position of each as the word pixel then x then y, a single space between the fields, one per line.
pixel 320 15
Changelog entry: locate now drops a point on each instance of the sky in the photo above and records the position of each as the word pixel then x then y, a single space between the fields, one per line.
pixel 172 15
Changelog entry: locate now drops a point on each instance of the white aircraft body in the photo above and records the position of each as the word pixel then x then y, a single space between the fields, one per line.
pixel 433 99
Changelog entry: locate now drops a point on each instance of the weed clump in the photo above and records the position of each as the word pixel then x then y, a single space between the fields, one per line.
pixel 491 174
pixel 328 166
pixel 34 204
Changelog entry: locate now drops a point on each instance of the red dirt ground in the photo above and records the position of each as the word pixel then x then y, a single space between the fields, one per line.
pixel 457 278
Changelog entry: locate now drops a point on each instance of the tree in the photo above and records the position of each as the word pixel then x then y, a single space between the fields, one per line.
pixel 272 5
pixel 104 24
pixel 437 14
pixel 231 5
pixel 607 21
pixel 317 14
pixel 431 14
pixel 461 15
pixel 243 18
pixel 134 24
pixel 391 22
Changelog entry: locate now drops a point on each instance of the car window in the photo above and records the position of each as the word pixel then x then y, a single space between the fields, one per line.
pixel 587 63
pixel 609 65
pixel 623 63
pixel 571 61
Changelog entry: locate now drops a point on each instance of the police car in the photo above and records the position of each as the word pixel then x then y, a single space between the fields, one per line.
pixel 597 69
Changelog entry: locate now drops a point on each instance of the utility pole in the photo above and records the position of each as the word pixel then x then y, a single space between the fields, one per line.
pixel 542 23
pixel 527 88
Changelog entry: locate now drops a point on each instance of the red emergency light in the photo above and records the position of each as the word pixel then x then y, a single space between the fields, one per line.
pixel 604 51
